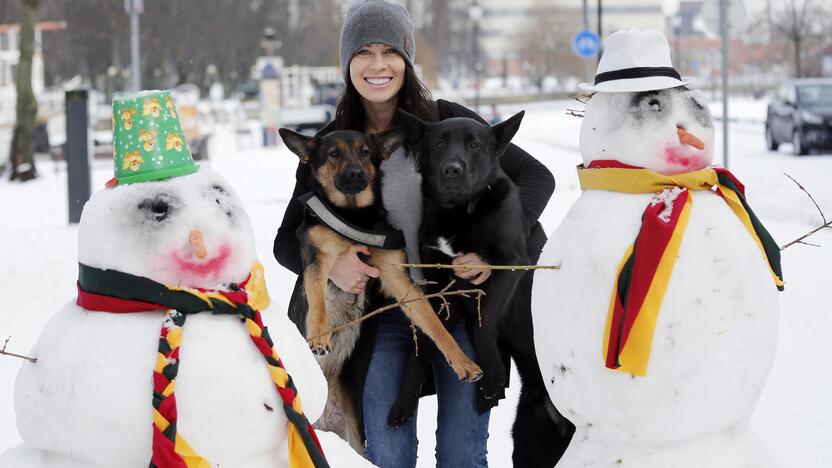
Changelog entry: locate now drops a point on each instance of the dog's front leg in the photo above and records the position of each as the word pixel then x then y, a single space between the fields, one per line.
pixel 396 283
pixel 499 291
pixel 326 246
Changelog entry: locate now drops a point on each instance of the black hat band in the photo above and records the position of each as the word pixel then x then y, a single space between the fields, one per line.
pixel 636 72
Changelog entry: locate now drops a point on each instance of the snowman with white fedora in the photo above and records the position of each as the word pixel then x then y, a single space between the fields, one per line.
pixel 658 331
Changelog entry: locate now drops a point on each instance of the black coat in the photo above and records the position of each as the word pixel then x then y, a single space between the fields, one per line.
pixel 534 181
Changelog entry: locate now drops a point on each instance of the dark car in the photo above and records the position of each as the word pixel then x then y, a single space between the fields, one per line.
pixel 801 113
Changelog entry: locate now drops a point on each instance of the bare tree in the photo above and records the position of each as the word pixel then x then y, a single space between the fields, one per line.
pixel 799 22
pixel 22 154
pixel 548 43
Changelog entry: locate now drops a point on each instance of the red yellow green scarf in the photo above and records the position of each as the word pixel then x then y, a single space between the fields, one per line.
pixel 645 270
pixel 118 292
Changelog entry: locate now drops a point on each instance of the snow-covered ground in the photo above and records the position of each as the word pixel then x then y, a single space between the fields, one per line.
pixel 39 255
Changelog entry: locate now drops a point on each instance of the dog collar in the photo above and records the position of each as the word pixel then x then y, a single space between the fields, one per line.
pixel 390 240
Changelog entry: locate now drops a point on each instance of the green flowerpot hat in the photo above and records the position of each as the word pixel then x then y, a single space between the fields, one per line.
pixel 148 143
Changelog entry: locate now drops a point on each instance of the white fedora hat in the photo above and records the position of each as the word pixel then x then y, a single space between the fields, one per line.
pixel 635 60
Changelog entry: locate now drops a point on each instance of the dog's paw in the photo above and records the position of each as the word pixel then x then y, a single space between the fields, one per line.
pixel 467 369
pixel 321 346
pixel 319 350
pixel 402 411
pixel 493 385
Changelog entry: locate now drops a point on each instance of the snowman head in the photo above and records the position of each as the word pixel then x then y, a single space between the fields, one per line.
pixel 641 112
pixel 668 131
pixel 186 231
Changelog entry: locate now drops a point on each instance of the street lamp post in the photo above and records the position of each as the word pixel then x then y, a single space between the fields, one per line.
pixel 724 32
pixel 475 13
pixel 134 8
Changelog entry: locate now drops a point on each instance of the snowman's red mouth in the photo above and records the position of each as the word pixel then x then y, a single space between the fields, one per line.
pixel 205 267
pixel 683 159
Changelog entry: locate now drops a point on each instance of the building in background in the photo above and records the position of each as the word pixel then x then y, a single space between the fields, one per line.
pixel 506 25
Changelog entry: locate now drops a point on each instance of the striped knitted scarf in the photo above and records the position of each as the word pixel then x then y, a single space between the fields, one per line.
pixel 118 292
pixel 645 270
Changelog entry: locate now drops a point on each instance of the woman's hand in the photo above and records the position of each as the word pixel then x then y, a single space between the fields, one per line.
pixel 349 273
pixel 479 275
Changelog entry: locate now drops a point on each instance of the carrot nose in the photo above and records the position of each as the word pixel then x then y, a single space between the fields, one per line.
pixel 687 138
pixel 195 239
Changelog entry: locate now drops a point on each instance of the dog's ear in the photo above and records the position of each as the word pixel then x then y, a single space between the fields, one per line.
pixel 388 141
pixel 413 125
pixel 300 144
pixel 504 131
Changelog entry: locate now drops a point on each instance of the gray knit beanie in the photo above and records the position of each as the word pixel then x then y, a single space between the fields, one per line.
pixel 376 22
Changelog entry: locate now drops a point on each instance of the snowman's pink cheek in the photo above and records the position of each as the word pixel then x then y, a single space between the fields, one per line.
pixel 205 268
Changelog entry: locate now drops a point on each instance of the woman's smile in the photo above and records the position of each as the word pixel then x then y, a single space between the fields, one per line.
pixel 378 81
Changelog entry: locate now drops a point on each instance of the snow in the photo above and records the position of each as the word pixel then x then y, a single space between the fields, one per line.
pixel 794 415
pixel 667 197
pixel 713 346
pixel 635 127
pixel 144 229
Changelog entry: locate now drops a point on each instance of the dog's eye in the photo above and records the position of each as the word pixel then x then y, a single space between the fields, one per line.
pixel 474 144
pixel 440 144
pixel 333 153
pixel 365 152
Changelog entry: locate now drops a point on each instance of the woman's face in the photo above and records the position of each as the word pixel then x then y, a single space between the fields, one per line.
pixel 377 72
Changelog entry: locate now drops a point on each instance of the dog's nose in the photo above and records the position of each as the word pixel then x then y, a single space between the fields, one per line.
pixel 355 174
pixel 452 170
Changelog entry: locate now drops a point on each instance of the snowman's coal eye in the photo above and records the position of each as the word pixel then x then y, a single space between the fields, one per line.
pixel 157 208
pixel 655 105
pixel 701 113
pixel 218 188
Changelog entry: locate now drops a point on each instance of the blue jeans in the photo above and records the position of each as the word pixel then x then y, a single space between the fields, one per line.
pixel 461 432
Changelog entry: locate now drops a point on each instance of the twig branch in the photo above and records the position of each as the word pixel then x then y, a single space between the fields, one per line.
pixel 575 113
pixel 6 353
pixel 799 240
pixel 479 267
pixel 810 197
pixel 443 294
pixel 826 224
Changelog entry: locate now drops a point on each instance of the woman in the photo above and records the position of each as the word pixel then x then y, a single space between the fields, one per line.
pixel 377 53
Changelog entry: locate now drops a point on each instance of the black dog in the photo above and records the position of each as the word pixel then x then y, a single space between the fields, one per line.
pixel 344 208
pixel 471 205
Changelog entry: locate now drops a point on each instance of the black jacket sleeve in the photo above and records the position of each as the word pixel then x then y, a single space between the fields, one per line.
pixel 286 243
pixel 535 182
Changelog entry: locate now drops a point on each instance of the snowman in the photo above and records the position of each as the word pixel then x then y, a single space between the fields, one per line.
pixel 657 333
pixel 164 358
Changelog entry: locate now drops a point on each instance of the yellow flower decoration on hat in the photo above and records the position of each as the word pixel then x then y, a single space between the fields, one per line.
pixel 151 106
pixel 127 117
pixel 173 141
pixel 170 106
pixel 148 138
pixel 132 160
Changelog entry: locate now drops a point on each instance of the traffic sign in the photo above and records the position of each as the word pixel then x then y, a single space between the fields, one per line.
pixel 586 44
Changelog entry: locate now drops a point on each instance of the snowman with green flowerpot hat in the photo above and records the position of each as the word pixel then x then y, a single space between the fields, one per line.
pixel 657 333
pixel 164 358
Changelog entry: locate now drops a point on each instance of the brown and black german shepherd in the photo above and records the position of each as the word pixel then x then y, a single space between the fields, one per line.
pixel 344 208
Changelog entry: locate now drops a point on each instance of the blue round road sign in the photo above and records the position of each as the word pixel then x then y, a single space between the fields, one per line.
pixel 586 44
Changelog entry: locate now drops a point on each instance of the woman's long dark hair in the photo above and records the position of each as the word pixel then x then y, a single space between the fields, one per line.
pixel 414 97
